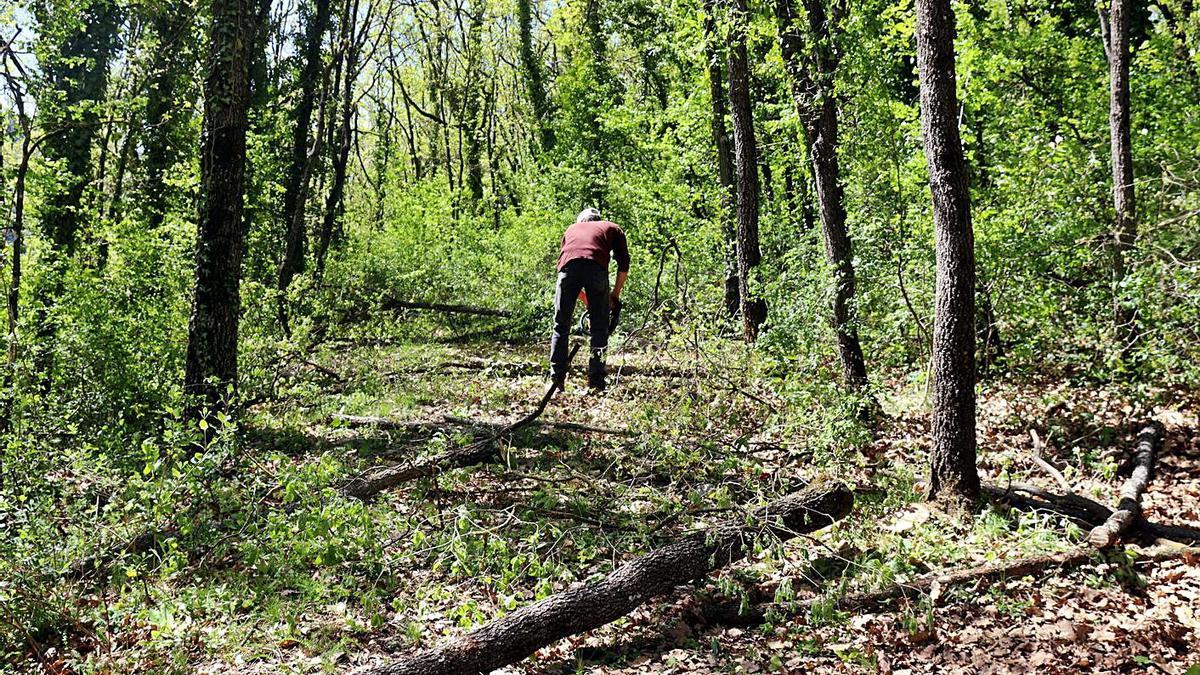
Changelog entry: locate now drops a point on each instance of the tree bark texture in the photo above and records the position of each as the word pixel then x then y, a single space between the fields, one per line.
pixel 812 71
pixel 1129 509
pixel 745 148
pixel 1125 226
pixel 590 605
pixel 953 477
pixel 303 153
pixel 25 122
pixel 211 366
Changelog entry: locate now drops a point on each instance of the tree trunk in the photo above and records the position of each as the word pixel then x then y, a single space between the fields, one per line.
pixel 473 103
pixel 535 80
pixel 1125 227
pixel 302 156
pixel 18 242
pixel 212 352
pixel 745 149
pixel 345 139
pixel 721 142
pixel 816 104
pixel 587 606
pixel 954 477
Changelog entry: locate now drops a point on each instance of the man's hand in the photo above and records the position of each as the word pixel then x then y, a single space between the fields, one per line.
pixel 614 301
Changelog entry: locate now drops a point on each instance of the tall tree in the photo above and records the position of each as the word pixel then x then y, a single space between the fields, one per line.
pixel 474 93
pixel 723 147
pixel 535 80
pixel 1115 29
pixel 953 477
pixel 745 149
pixel 212 353
pixel 303 150
pixel 812 65
pixel 25 122
pixel 351 48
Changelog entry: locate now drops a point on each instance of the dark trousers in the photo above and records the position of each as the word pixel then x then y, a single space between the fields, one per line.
pixel 590 277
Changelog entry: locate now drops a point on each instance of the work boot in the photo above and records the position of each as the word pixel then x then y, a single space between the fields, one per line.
pixel 558 378
pixel 597 374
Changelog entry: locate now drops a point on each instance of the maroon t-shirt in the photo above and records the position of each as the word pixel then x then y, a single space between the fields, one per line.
pixel 595 240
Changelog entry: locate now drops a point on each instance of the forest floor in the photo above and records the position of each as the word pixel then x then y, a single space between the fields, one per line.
pixel 688 434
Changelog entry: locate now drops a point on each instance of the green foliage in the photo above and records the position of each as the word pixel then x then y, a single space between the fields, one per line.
pixel 256 538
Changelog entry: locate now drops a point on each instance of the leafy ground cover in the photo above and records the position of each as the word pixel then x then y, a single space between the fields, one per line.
pixel 267 567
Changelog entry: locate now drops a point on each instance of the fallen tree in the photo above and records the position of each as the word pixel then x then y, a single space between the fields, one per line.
pixel 530 367
pixel 931 585
pixel 1129 509
pixel 1083 511
pixel 389 424
pixel 369 484
pixel 397 304
pixel 146 542
pixel 587 606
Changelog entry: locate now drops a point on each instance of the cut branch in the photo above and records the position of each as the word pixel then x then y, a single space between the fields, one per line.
pixel 367 486
pixel 389 424
pixel 512 368
pixel 145 542
pixel 1084 511
pixel 590 605
pixel 932 585
pixel 1129 509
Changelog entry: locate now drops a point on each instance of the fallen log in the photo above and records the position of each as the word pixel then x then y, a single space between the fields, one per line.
pixel 587 606
pixel 146 542
pixel 396 303
pixel 389 424
pixel 550 424
pixel 368 485
pixel 530 367
pixel 1084 511
pixel 1129 509
pixel 385 423
pixel 932 585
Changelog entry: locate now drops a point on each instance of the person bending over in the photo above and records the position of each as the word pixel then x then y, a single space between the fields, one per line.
pixel 587 247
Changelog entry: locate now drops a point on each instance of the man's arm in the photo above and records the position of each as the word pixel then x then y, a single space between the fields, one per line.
pixel 620 251
pixel 621 277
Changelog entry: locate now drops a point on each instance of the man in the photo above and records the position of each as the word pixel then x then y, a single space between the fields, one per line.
pixel 587 247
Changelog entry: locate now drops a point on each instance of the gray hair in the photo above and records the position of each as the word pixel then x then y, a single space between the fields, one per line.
pixel 588 214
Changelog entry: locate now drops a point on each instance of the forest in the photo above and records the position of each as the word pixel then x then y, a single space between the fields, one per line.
pixel 903 377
